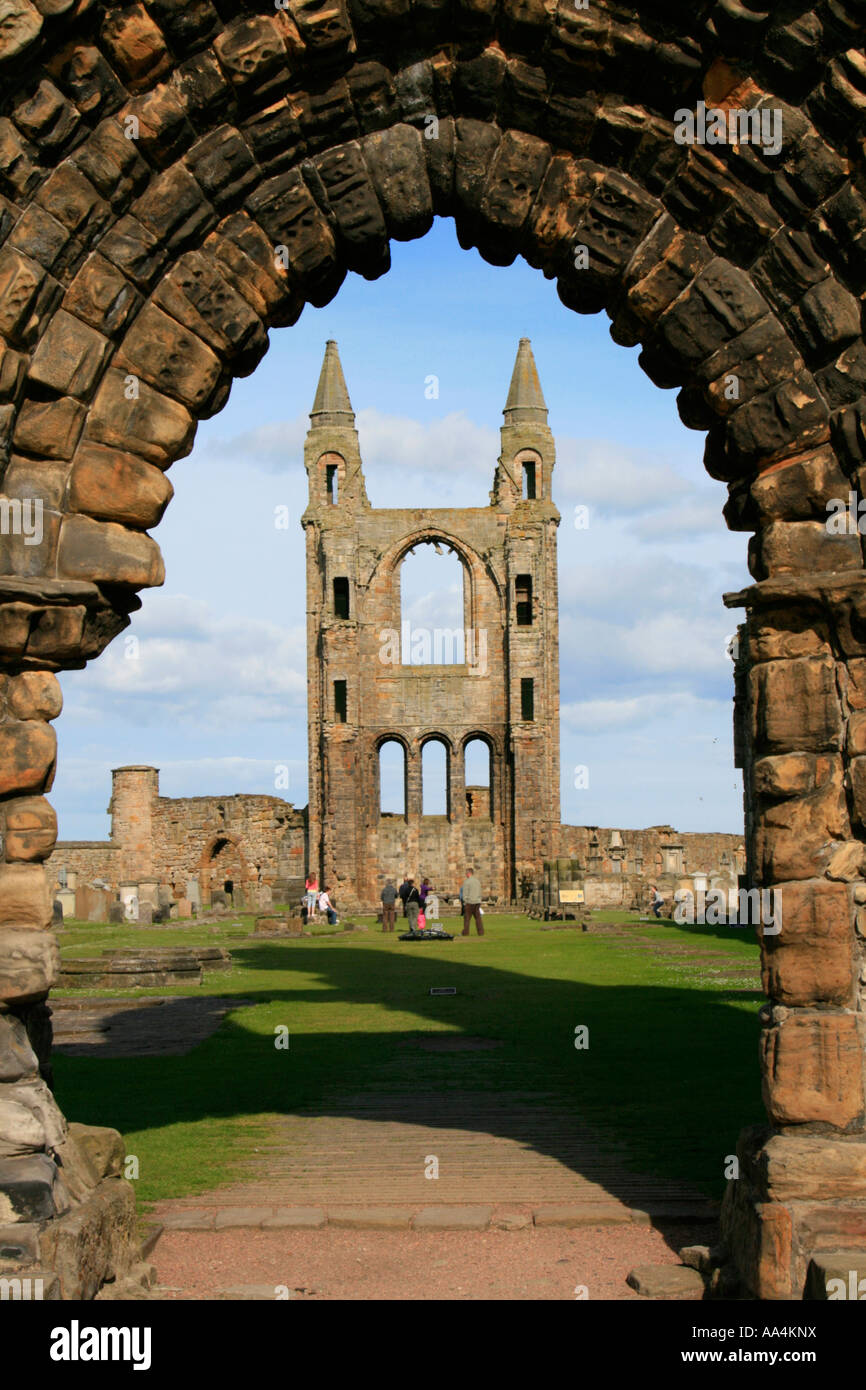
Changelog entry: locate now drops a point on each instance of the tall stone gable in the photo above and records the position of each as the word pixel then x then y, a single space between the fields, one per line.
pixel 360 695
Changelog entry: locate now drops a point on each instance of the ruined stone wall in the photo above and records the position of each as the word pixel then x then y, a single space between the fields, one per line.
pixel 253 841
pixel 643 851
pixel 89 859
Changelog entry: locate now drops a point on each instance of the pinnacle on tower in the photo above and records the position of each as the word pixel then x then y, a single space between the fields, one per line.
pixel 332 405
pixel 525 402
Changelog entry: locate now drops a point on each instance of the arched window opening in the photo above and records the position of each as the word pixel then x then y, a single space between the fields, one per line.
pixel 529 480
pixel 392 778
pixel 432 607
pixel 478 779
pixel 332 483
pixel 434 779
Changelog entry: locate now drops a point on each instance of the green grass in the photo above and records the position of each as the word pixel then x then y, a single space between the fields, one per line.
pixel 671 1072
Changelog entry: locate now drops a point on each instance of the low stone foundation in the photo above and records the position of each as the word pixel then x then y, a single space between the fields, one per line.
pixel 798 1196
pixel 145 969
pixel 68 1219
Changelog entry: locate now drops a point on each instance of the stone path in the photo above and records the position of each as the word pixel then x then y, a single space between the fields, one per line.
pixel 150 1026
pixel 496 1153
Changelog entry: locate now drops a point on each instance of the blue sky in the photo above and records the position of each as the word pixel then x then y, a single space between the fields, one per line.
pixel 213 689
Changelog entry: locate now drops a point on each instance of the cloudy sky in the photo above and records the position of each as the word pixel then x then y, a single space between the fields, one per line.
pixel 213 688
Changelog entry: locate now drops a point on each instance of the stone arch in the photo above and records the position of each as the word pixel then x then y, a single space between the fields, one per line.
pixel 214 845
pixel 428 740
pixel 331 468
pixel 475 569
pixel 473 810
pixel 403 745
pixel 176 180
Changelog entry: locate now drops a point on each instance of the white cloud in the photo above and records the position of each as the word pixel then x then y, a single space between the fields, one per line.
pixel 181 661
pixel 632 712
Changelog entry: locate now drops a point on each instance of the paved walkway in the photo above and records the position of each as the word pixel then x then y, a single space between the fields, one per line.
pixel 483 1151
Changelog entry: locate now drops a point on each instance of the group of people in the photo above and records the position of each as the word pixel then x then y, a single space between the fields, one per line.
pixel 318 901
pixel 420 903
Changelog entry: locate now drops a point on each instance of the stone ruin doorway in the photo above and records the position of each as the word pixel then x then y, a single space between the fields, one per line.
pixel 223 874
pixel 175 180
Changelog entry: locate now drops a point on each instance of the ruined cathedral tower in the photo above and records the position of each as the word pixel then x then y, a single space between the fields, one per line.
pixel 500 683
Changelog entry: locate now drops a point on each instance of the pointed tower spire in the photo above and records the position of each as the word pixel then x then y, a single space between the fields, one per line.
pixel 525 404
pixel 525 466
pixel 332 405
pixel 332 453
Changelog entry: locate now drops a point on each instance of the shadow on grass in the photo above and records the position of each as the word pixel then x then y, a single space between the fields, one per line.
pixel 669 1078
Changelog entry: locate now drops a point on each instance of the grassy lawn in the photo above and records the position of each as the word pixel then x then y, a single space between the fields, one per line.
pixel 670 1074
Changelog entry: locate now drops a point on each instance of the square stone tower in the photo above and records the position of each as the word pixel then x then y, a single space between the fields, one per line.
pixel 501 685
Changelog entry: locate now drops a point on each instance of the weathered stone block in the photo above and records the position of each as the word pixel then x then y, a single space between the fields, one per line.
pixel 114 486
pixel 70 356
pixel 246 257
pixel 135 251
pixel 760 1234
pixel 100 296
pixel 74 203
pixel 31 829
pixel 49 429
pixel 136 46
pixel 24 898
pixel 798 1167
pixel 133 417
pixel 813 1070
pixel 795 705
pixel 31 1189
pixel 790 774
pixel 810 960
pixel 353 199
pixel 284 208
pixel 18 1061
pixel 252 52
pixel 93 1242
pixel 112 162
pixel 171 358
pixel 104 1148
pixel 798 489
pixel 30 1120
pixel 514 180
pixel 20 26
pixel 108 553
pixel 34 695
pixel 223 166
pixel 45 117
pixel 28 749
pixel 20 281
pixel 794 839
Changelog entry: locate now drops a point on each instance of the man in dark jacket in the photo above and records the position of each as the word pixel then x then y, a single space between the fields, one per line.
pixel 389 899
pixel 413 905
pixel 404 893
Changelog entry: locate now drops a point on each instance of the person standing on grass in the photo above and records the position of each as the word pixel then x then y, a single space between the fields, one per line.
pixel 658 901
pixel 470 894
pixel 404 893
pixel 412 904
pixel 389 900
pixel 311 888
